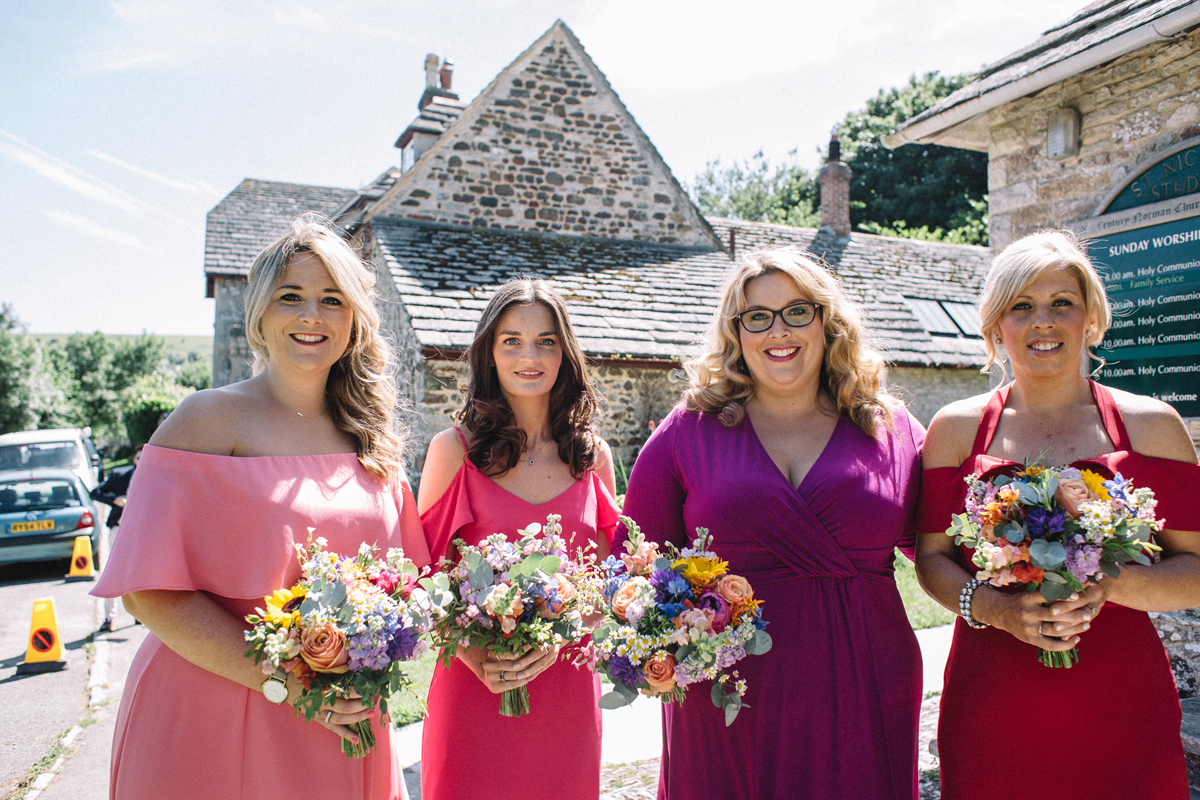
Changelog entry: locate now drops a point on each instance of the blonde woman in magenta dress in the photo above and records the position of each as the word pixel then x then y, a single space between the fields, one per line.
pixel 524 450
pixel 230 481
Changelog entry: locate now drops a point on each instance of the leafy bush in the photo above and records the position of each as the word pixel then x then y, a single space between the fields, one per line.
pixel 147 402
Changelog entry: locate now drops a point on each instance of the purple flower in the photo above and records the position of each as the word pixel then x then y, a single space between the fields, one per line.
pixel 669 585
pixel 1083 558
pixel 1043 523
pixel 620 668
pixel 403 644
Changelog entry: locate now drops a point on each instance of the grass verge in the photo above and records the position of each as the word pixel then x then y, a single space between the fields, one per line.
pixel 923 611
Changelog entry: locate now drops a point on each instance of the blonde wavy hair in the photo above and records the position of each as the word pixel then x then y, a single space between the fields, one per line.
pixel 361 388
pixel 852 372
pixel 1026 260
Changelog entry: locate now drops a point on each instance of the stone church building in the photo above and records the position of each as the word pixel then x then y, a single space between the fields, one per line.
pixel 546 173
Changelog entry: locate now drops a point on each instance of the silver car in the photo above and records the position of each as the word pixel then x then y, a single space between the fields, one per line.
pixel 56 448
pixel 41 513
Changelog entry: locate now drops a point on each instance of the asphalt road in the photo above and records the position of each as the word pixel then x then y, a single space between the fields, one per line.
pixel 38 709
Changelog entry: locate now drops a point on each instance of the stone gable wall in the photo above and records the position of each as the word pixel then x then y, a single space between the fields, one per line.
pixel 1131 109
pixel 927 390
pixel 231 352
pixel 551 150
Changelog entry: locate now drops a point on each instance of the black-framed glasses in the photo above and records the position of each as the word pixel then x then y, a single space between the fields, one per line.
pixel 797 315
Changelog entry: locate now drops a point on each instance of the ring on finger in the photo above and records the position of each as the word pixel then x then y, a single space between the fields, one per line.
pixel 1092 609
pixel 502 676
pixel 328 714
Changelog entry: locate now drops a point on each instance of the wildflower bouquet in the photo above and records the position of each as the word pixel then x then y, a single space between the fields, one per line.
pixel 1057 529
pixel 344 629
pixel 675 619
pixel 510 597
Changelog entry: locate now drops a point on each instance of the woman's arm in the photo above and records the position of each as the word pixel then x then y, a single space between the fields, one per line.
pixel 442 462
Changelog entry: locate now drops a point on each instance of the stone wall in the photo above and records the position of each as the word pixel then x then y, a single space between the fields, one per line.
pixel 1131 108
pixel 1180 632
pixel 927 390
pixel 631 399
pixel 550 147
pixel 231 352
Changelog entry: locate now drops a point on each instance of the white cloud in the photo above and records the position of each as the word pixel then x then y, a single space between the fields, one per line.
pixel 97 231
pixel 78 181
pixel 300 17
pixel 186 184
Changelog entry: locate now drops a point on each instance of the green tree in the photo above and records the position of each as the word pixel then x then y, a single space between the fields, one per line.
pixel 134 358
pixel 756 191
pixel 88 358
pixel 146 402
pixel 18 364
pixel 196 374
pixel 919 191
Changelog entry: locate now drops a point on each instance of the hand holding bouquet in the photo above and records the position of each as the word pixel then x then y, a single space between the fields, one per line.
pixel 344 629
pixel 1057 529
pixel 673 620
pixel 510 597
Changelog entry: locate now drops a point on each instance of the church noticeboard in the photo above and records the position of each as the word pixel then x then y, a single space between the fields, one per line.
pixel 1152 275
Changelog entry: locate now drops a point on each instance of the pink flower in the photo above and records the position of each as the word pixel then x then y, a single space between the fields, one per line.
pixel 721 614
pixel 1071 494
pixel 639 562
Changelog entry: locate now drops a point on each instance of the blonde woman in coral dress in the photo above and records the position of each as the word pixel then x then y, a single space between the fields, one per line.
pixel 231 480
pixel 525 450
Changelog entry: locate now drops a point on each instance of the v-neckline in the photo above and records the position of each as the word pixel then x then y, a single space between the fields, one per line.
pixel 467 463
pixel 837 426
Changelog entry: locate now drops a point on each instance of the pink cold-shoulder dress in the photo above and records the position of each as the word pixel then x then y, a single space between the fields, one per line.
pixel 467 749
pixel 226 526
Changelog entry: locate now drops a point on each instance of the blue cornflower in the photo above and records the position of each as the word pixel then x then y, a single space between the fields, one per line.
pixel 1042 522
pixel 404 642
pixel 613 566
pixel 622 669
pixel 671 610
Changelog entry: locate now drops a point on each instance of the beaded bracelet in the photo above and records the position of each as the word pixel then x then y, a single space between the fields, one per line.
pixel 965 598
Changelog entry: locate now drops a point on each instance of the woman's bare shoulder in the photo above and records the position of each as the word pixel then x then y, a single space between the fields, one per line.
pixel 443 460
pixel 952 432
pixel 1155 428
pixel 207 421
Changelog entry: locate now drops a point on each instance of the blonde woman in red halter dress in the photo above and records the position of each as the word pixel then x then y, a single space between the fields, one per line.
pixel 1009 726
pixel 524 450
pixel 232 479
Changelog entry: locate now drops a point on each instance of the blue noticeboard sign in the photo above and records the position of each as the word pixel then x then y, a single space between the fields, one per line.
pixel 1152 276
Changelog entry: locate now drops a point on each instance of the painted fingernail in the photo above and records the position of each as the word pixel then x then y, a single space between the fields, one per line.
pixel 1086 627
pixel 1056 610
pixel 1075 596
pixel 1087 617
pixel 1058 626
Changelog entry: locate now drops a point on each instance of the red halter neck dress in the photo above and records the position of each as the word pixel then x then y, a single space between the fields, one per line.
pixel 1107 728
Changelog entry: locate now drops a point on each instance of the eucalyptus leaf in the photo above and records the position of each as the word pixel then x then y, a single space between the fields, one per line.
pixel 759 644
pixel 309 605
pixel 1047 555
pixel 1028 492
pixel 334 594
pixel 683 653
pixel 532 563
pixel 662 563
pixel 718 693
pixel 731 713
pixel 1001 480
pixel 1055 591
pixel 550 564
pixel 1053 577
pixel 1012 531
pixel 1110 569
pixel 480 574
pixel 615 699
pixel 1142 559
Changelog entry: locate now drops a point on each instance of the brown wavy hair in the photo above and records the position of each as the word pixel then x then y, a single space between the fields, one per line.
pixel 852 372
pixel 361 388
pixel 497 442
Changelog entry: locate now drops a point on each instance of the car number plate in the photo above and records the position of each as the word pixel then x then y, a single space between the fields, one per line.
pixel 25 527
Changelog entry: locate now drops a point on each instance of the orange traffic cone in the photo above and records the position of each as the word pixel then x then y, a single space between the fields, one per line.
pixel 44 652
pixel 82 568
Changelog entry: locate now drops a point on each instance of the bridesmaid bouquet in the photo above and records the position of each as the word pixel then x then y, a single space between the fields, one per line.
pixel 1057 530
pixel 509 597
pixel 345 627
pixel 672 620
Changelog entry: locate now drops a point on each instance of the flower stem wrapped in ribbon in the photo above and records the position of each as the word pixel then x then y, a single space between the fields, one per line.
pixel 675 619
pixel 344 629
pixel 510 597
pixel 1057 530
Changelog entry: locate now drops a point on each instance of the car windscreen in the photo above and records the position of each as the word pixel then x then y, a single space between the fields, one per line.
pixel 28 495
pixel 62 455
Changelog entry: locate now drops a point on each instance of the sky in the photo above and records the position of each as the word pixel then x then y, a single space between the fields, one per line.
pixel 123 123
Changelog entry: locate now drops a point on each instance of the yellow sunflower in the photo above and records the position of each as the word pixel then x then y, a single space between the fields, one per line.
pixel 283 606
pixel 700 571
pixel 1095 484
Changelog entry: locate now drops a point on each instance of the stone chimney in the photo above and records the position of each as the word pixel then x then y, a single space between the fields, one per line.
pixel 439 107
pixel 446 73
pixel 834 179
pixel 431 70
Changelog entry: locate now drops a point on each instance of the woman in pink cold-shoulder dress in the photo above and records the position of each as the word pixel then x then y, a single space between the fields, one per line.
pixel 525 450
pixel 228 484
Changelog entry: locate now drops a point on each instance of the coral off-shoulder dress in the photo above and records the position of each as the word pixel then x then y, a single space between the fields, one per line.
pixel 1105 729
pixel 226 526
pixel 468 750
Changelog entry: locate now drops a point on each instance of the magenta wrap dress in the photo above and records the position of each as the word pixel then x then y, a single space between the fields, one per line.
pixel 468 750
pixel 226 526
pixel 833 706
pixel 1105 729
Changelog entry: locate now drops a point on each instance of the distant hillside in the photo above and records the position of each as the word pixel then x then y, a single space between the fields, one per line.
pixel 180 349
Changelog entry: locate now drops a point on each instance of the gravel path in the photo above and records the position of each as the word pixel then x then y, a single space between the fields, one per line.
pixel 639 779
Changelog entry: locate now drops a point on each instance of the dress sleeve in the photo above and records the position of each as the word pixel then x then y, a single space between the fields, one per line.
pixel 943 493
pixel 607 512
pixel 412 534
pixel 913 437
pixel 654 499
pixel 445 518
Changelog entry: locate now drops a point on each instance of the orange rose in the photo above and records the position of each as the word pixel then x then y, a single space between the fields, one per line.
pixel 988 532
pixel 566 591
pixel 1071 494
pixel 624 596
pixel 660 672
pixel 324 649
pixel 736 590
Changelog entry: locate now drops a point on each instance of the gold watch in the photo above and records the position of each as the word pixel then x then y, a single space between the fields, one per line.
pixel 275 688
